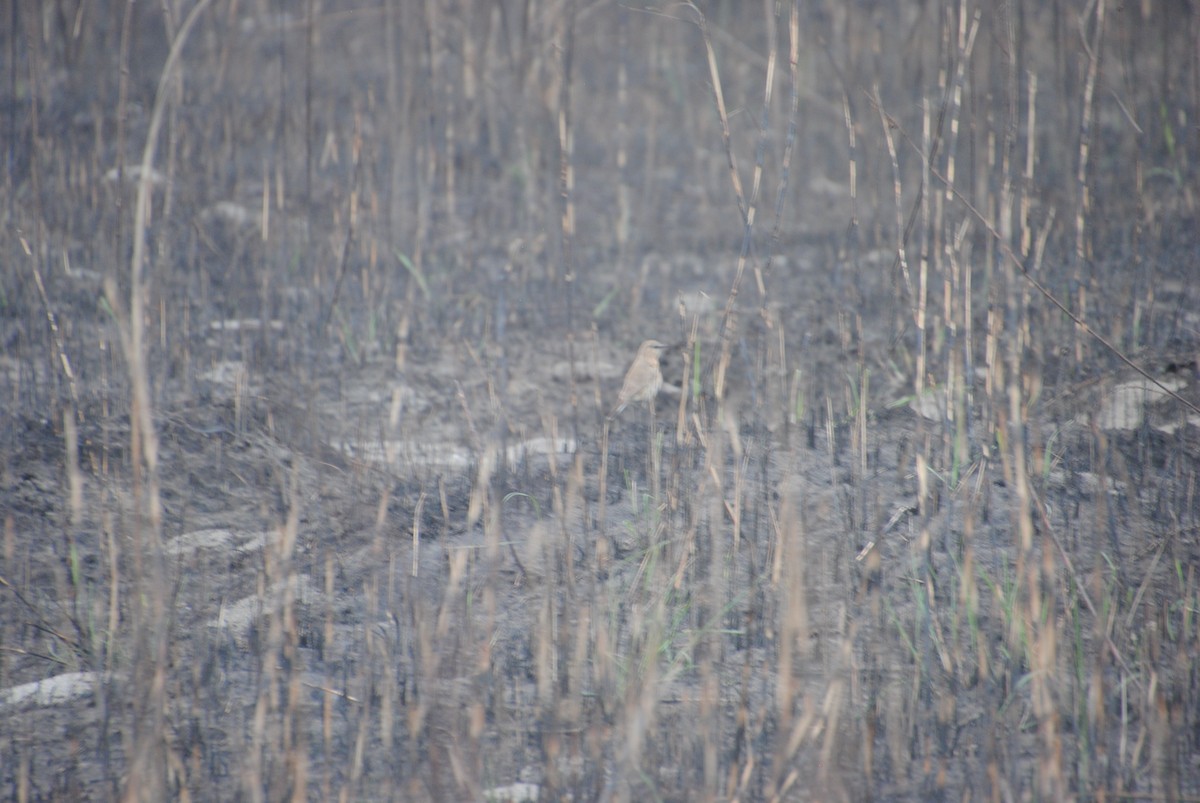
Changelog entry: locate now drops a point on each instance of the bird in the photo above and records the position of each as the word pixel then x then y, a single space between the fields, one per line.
pixel 643 379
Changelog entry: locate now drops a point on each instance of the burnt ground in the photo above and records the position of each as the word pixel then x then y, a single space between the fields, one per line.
pixel 398 551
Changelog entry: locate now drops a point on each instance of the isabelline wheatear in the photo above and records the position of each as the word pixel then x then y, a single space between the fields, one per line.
pixel 643 379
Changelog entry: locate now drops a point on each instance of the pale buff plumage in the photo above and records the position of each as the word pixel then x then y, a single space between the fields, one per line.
pixel 644 378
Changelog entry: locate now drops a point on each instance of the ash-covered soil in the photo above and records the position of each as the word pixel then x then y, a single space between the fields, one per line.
pixel 401 554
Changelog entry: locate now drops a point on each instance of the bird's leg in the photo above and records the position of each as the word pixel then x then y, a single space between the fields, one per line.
pixel 653 460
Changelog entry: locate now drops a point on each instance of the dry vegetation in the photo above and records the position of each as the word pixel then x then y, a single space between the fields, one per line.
pixel 311 312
